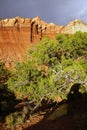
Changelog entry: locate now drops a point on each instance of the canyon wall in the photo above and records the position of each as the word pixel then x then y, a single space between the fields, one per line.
pixel 16 34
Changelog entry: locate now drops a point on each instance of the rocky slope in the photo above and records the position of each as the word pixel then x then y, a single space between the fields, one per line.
pixel 16 34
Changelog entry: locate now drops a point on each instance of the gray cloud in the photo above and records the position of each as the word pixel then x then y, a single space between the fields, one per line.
pixel 83 15
pixel 57 11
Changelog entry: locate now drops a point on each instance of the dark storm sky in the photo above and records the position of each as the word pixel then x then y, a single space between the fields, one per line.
pixel 57 11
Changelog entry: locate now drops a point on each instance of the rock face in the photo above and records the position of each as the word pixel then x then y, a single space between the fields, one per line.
pixel 16 34
pixel 75 26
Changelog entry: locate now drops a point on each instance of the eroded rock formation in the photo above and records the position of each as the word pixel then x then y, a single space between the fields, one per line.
pixel 16 34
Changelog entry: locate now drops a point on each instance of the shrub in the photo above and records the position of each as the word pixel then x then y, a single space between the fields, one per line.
pixel 47 72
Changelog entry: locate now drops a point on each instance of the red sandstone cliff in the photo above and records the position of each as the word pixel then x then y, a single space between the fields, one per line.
pixel 16 34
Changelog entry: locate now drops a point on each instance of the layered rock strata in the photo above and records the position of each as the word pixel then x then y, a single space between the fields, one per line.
pixel 16 34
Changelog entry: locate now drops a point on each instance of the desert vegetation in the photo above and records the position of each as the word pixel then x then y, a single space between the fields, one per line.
pixel 48 72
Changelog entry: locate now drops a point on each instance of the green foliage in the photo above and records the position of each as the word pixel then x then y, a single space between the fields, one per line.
pixel 3 71
pixel 31 78
pixel 4 75
pixel 62 37
pixel 15 119
pixel 76 45
pixel 64 77
pixel 47 52
pixel 51 68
